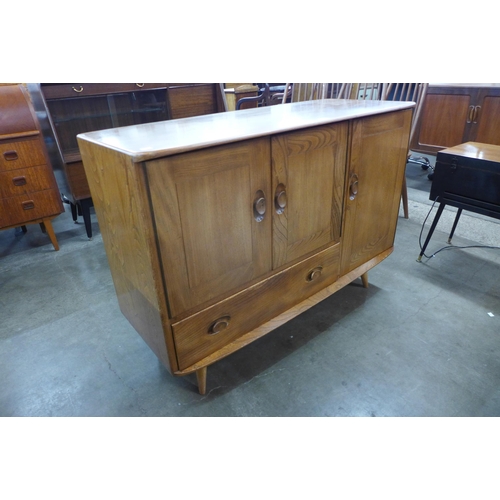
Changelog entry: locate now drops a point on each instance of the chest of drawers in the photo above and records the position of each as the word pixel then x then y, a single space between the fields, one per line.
pixel 220 228
pixel 28 190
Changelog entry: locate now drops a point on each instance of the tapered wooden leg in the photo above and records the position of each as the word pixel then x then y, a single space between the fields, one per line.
pixel 404 195
pixel 201 376
pixel 364 279
pixel 47 224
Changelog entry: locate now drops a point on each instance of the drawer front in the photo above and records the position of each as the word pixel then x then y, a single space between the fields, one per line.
pixel 68 90
pixel 25 180
pixel 21 154
pixel 28 207
pixel 211 329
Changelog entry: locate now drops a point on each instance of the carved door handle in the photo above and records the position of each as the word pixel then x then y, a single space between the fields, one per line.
pixel 259 206
pixel 280 199
pixel 353 187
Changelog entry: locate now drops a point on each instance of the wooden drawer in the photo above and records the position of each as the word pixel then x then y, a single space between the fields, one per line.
pixel 21 154
pixel 68 90
pixel 27 207
pixel 211 329
pixel 25 180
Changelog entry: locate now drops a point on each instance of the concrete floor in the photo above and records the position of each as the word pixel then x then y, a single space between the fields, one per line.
pixel 422 340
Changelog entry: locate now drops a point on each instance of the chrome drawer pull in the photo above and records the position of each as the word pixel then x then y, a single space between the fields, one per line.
pixel 219 325
pixel 78 90
pixel 10 155
pixel 140 85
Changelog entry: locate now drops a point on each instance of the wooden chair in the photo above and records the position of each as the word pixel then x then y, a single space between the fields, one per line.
pixel 415 92
pixel 396 92
pixel 265 98
pixel 297 92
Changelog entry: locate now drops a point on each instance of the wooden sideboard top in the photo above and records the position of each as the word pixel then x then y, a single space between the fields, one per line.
pixel 155 140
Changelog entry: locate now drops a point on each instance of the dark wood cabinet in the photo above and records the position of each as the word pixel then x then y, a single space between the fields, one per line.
pixel 28 189
pixel 75 108
pixel 454 114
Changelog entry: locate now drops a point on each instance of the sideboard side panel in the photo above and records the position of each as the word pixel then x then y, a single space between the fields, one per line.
pixel 121 203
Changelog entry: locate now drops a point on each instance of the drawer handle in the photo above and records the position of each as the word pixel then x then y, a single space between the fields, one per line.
pixel 140 85
pixel 280 199
pixel 315 273
pixel 10 155
pixel 219 325
pixel 28 205
pixel 353 187
pixel 78 90
pixel 19 181
pixel 259 206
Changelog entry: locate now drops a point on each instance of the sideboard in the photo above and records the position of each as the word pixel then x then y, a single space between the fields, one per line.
pixel 220 228
pixel 456 113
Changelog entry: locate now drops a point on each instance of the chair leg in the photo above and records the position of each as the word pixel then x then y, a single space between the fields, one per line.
pixel 404 196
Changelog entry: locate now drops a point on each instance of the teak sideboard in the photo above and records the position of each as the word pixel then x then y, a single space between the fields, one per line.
pixel 220 228
pixel 28 189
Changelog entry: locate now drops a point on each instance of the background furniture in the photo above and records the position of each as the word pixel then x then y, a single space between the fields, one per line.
pixel 298 92
pixel 466 176
pixel 73 108
pixel 28 189
pixel 236 91
pixel 219 229
pixel 415 92
pixel 458 113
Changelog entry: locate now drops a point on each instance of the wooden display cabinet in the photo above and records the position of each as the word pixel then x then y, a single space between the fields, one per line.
pixel 74 108
pixel 218 229
pixel 456 113
pixel 28 189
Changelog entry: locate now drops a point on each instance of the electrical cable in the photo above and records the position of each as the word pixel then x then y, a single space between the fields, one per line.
pixel 449 247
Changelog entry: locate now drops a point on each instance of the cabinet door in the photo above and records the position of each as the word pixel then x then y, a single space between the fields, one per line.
pixel 308 182
pixel 444 120
pixel 379 148
pixel 207 207
pixel 488 120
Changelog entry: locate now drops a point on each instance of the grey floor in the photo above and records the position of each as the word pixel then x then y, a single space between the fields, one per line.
pixel 422 340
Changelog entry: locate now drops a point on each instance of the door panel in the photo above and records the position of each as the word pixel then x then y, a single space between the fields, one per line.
pixel 444 120
pixel 308 180
pixel 373 188
pixel 210 238
pixel 488 130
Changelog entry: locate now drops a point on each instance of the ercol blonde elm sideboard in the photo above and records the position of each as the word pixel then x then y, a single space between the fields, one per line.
pixel 220 228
